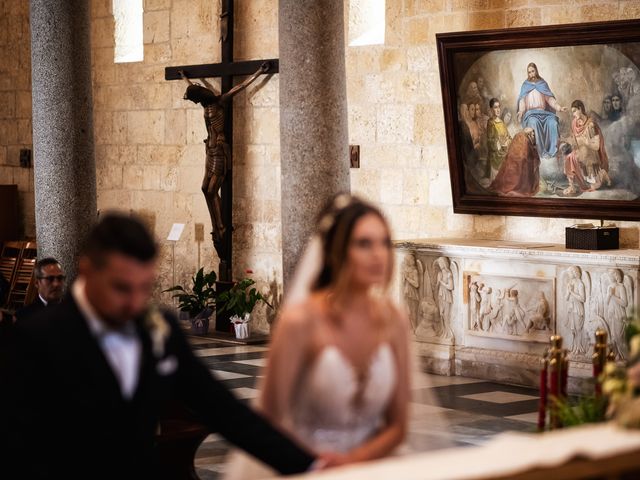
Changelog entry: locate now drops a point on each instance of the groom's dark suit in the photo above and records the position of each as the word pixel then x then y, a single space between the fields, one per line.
pixel 68 419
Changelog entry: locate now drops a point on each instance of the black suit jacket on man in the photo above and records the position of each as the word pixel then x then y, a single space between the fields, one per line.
pixel 68 418
pixel 31 309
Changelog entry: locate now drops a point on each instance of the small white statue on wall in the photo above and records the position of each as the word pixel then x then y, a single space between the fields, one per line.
pixel 610 304
pixel 445 288
pixel 437 293
pixel 513 313
pixel 618 304
pixel 475 300
pixel 429 322
pixel 539 315
pixel 496 310
pixel 485 307
pixel 576 294
pixel 411 285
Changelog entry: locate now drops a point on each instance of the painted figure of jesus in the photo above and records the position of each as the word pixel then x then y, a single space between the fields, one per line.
pixel 537 107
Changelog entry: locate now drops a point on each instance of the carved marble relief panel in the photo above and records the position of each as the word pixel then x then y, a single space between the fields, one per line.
pixel 512 308
pixel 484 309
pixel 430 290
pixel 592 299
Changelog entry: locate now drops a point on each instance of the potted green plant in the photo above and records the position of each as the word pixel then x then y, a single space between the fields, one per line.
pixel 240 300
pixel 198 301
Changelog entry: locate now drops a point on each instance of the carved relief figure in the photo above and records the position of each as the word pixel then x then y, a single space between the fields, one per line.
pixel 216 146
pixel 497 302
pixel 411 278
pixel 429 325
pixel 444 288
pixel 619 298
pixel 437 285
pixel 485 307
pixel 540 315
pixel 512 307
pixel 474 302
pixel 576 296
pixel 513 313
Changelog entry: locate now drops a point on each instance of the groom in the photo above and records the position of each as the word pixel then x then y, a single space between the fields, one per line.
pixel 89 378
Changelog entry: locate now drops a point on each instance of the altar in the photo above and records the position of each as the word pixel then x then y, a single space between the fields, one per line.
pixel 486 308
pixel 588 452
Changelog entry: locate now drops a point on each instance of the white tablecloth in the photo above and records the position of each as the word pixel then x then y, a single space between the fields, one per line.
pixel 506 454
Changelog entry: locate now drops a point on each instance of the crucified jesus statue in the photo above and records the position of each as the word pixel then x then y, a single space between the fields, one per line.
pixel 216 146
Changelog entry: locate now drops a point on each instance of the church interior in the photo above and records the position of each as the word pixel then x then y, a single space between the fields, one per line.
pixel 322 98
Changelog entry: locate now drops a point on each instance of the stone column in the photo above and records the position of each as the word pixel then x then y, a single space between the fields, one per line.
pixel 64 164
pixel 313 117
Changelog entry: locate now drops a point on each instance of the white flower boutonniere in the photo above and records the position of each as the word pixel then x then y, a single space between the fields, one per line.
pixel 159 330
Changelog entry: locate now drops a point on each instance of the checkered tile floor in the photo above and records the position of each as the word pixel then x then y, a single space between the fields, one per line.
pixel 473 410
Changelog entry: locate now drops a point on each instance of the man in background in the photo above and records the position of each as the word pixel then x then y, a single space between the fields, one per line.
pixel 50 284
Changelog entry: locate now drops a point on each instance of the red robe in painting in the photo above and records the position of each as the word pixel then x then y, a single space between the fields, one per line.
pixel 519 174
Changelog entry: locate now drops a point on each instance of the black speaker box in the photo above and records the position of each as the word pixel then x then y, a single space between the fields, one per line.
pixel 602 238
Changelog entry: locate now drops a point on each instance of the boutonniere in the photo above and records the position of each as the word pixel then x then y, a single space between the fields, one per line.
pixel 158 329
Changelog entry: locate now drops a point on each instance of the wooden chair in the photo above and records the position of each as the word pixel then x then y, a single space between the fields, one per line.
pixel 9 257
pixel 30 249
pixel 23 287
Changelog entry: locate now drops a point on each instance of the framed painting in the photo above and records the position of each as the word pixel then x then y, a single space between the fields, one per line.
pixel 544 121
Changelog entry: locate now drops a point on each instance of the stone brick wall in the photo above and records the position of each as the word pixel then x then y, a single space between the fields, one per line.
pixel 395 113
pixel 149 151
pixel 15 107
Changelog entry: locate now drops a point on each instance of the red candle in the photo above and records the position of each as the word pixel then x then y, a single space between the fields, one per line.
pixel 599 357
pixel 597 370
pixel 553 391
pixel 542 405
pixel 564 377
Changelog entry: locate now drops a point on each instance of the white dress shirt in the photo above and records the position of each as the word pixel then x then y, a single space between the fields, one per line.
pixel 121 348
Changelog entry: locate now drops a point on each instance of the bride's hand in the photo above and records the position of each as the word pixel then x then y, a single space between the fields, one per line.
pixel 331 459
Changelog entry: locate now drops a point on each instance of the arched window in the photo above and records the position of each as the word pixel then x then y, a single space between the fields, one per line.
pixel 128 32
pixel 366 22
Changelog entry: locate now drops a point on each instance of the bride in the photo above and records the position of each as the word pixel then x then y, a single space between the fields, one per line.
pixel 337 375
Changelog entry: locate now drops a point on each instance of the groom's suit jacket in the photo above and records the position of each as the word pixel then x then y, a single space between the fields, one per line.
pixel 66 418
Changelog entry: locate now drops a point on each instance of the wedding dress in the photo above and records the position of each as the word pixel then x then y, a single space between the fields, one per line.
pixel 334 408
pixel 337 408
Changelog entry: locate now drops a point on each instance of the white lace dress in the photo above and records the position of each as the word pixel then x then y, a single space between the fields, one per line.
pixel 335 408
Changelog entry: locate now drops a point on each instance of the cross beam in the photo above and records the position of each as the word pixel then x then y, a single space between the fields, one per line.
pixel 224 69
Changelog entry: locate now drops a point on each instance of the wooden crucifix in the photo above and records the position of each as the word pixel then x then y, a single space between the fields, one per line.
pixel 218 115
